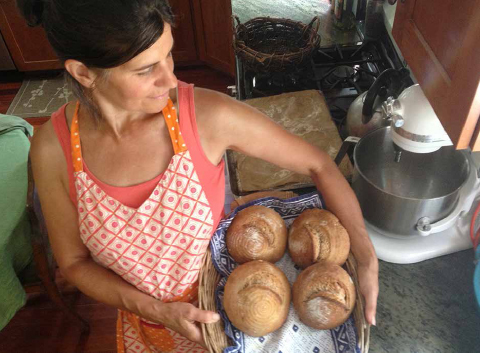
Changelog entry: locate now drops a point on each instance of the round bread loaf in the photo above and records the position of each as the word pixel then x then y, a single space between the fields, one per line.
pixel 257 298
pixel 324 296
pixel 318 236
pixel 257 233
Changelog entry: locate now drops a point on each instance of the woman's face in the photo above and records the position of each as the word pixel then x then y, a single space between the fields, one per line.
pixel 143 83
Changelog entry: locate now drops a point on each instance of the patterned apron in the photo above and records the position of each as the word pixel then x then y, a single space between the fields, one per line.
pixel 157 247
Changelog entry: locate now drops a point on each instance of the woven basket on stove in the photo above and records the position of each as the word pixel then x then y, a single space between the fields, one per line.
pixel 214 334
pixel 266 44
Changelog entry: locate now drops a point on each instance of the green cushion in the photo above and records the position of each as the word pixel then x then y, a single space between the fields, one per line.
pixel 15 245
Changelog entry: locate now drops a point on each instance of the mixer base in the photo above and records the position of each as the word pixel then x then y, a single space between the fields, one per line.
pixel 407 250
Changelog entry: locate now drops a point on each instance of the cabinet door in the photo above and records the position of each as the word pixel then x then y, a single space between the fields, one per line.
pixel 28 46
pixel 185 50
pixel 439 40
pixel 31 51
pixel 214 33
pixel 6 62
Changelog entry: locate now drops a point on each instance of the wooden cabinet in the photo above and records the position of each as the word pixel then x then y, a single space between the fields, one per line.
pixel 28 46
pixel 6 62
pixel 185 49
pixel 202 34
pixel 439 41
pixel 213 19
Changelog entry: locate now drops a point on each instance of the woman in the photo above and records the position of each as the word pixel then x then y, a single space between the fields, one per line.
pixel 130 229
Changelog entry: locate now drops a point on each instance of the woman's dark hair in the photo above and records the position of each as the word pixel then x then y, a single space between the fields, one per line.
pixel 101 34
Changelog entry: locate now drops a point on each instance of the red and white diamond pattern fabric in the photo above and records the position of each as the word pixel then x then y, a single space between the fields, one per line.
pixel 158 247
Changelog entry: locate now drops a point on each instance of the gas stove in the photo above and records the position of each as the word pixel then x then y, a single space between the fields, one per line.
pixel 340 72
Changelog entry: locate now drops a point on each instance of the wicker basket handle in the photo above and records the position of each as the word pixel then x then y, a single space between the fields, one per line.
pixel 239 25
pixel 235 18
pixel 310 25
pixel 315 19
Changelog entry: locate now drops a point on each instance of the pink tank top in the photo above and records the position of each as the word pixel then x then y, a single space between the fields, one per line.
pixel 211 176
pixel 153 234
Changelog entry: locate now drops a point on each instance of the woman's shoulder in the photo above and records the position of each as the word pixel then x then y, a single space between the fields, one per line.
pixel 45 146
pixel 211 105
pixel 211 121
pixel 44 140
pixel 205 95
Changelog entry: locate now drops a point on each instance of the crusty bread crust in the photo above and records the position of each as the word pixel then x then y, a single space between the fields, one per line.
pixel 318 236
pixel 257 298
pixel 324 296
pixel 257 233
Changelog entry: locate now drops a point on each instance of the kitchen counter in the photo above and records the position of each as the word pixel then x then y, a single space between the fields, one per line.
pixel 427 307
pixel 297 10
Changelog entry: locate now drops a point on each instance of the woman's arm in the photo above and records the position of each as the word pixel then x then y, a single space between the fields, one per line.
pixel 74 259
pixel 341 200
pixel 242 128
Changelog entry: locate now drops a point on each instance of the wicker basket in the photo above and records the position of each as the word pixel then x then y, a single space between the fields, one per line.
pixel 214 334
pixel 266 44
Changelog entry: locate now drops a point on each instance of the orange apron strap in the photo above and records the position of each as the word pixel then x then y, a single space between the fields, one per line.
pixel 120 341
pixel 171 119
pixel 76 147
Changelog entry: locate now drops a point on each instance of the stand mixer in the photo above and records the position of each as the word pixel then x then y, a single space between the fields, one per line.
pixel 416 133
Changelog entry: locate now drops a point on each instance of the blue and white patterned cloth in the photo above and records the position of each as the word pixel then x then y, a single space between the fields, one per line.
pixel 293 336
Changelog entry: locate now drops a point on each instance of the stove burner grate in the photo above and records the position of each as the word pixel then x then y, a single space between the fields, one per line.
pixel 339 76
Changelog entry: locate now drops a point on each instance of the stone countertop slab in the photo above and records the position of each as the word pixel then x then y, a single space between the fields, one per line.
pixel 427 307
pixel 304 114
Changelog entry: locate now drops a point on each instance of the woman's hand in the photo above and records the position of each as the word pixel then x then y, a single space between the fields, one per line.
pixel 182 318
pixel 368 281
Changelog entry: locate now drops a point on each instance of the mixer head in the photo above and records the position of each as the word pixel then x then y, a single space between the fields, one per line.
pixel 415 126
